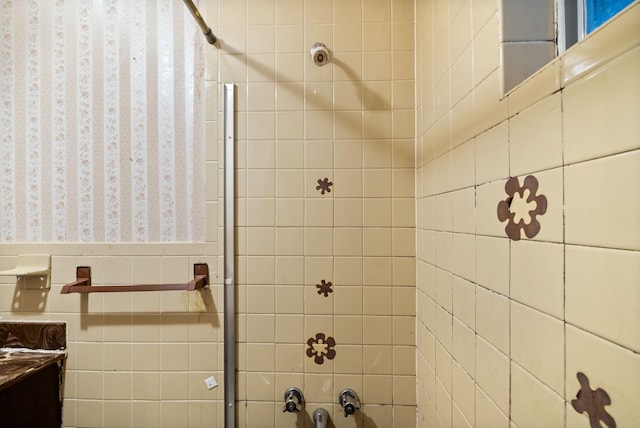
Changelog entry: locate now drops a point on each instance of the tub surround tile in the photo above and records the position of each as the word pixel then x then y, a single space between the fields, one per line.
pixel 587 124
pixel 492 263
pixel 463 393
pixel 607 366
pixel 492 318
pixel 488 414
pixel 593 193
pixel 492 373
pixel 537 275
pixel 528 396
pixel 602 293
pixel 534 148
pixel 537 344
pixel 492 154
pixel 487 197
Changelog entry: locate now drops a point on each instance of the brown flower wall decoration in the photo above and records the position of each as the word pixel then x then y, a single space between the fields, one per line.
pixel 593 402
pixel 324 288
pixel 507 213
pixel 321 347
pixel 324 185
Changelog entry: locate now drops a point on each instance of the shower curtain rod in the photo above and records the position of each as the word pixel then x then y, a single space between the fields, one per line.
pixel 211 38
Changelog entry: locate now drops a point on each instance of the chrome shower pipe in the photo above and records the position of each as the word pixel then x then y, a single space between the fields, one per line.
pixel 206 30
pixel 229 258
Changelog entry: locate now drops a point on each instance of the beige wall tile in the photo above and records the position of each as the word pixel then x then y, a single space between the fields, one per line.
pixel 586 124
pixel 89 413
pixel 289 328
pixel 117 413
pixel 552 222
pixel 489 109
pixel 601 293
pixel 529 394
pixel 289 270
pixel 464 349
pixel 464 211
pixel 492 318
pixel 348 330
pixel 607 366
pixel 592 195
pixel 376 242
pixel 463 160
pixel 492 263
pixel 532 146
pixel 443 206
pixel 537 276
pixel 464 304
pixel 443 405
pixel 444 250
pixel 377 330
pixel 146 413
pixel 377 301
pixel 444 330
pixel 492 373
pixel 492 154
pixel 537 344
pixel 486 58
pixel 464 263
pixel 487 198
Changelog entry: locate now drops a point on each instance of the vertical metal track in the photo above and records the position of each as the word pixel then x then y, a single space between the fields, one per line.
pixel 229 258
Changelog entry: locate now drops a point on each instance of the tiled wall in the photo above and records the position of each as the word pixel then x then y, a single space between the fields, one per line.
pixel 140 359
pixel 326 205
pixel 504 325
pixel 134 359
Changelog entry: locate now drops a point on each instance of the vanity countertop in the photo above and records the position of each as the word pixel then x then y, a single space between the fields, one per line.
pixel 18 363
pixel 27 347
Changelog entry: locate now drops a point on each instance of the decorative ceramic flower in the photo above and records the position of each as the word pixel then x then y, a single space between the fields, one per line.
pixel 593 402
pixel 523 216
pixel 324 288
pixel 324 185
pixel 320 348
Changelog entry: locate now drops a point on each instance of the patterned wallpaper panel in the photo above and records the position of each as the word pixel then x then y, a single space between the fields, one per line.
pixel 101 121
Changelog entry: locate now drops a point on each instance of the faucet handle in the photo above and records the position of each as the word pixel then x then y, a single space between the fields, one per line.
pixel 293 400
pixel 291 407
pixel 349 401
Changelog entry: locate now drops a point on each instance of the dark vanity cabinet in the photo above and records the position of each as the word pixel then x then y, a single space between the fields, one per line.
pixel 32 359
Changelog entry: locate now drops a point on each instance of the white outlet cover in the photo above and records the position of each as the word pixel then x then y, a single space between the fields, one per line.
pixel 211 382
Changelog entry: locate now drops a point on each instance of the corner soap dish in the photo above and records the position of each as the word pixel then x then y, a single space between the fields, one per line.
pixel 30 266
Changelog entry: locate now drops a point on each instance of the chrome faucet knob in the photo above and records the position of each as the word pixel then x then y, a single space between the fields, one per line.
pixel 349 409
pixel 293 400
pixel 290 406
pixel 349 401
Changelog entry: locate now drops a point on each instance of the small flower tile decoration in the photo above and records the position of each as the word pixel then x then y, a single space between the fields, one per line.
pixel 534 205
pixel 325 288
pixel 324 185
pixel 593 402
pixel 321 347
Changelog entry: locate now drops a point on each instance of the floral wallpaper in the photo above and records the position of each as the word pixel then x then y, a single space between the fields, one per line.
pixel 101 121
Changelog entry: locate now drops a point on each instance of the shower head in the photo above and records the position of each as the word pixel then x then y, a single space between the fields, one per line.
pixel 320 53
pixel 211 38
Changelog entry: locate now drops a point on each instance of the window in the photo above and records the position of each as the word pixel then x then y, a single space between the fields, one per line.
pixel 578 18
pixel 535 32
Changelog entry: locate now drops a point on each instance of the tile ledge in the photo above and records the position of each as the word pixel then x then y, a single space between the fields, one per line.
pixel 612 40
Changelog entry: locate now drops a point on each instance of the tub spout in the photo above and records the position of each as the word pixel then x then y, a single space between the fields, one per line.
pixel 320 418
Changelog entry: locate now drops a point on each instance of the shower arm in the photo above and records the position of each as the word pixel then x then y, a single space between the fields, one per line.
pixel 206 30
